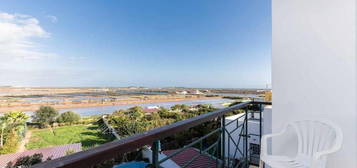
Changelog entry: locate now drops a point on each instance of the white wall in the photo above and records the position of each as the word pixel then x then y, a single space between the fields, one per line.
pixel 314 68
pixel 267 118
pixel 253 128
pixel 147 153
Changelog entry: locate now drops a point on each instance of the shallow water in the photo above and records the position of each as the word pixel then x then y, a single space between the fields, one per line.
pixel 88 111
pixel 236 95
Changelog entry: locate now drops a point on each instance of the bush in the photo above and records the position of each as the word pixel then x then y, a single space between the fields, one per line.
pixel 46 115
pixel 11 144
pixel 12 130
pixel 135 113
pixel 180 107
pixel 70 151
pixel 68 117
pixel 27 161
pixel 268 96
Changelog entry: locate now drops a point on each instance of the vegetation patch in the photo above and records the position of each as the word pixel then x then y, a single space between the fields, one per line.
pixel 88 135
pixel 134 120
pixel 12 130
pixel 27 161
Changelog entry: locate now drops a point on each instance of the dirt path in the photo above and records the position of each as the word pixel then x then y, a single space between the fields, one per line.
pixel 22 147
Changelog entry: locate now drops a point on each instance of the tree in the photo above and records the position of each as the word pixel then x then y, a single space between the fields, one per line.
pixel 3 124
pixel 125 126
pixel 46 115
pixel 165 113
pixel 135 113
pixel 15 117
pixel 68 117
pixel 180 107
pixel 11 143
pixel 268 96
pixel 12 121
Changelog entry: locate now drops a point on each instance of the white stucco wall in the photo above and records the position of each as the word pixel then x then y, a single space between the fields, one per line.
pixel 267 118
pixel 253 128
pixel 314 68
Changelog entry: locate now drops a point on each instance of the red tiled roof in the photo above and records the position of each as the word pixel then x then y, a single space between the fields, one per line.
pixel 150 110
pixel 185 156
pixel 53 152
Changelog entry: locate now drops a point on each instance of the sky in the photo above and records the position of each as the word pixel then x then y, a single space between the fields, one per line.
pixel 119 43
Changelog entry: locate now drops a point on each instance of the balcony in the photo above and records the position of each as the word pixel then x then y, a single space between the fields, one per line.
pixel 233 141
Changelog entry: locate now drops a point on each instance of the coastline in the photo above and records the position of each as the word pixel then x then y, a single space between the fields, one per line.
pixel 84 105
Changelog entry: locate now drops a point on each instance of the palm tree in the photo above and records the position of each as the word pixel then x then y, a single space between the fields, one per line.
pixel 16 117
pixel 3 124
pixel 14 121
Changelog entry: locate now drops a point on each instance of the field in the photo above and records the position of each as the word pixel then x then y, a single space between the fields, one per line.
pixel 88 135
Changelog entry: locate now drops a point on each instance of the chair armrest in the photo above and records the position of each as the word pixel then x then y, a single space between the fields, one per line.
pixel 318 155
pixel 336 147
pixel 264 145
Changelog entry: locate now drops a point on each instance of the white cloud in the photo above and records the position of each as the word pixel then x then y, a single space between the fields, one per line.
pixel 52 18
pixel 23 56
pixel 18 35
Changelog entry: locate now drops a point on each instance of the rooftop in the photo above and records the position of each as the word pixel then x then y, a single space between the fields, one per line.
pixel 52 152
pixel 186 155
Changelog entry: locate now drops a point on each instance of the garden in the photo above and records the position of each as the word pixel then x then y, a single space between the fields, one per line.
pixel 88 135
pixel 48 128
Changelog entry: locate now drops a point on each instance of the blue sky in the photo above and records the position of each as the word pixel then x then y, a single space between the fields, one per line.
pixel 156 43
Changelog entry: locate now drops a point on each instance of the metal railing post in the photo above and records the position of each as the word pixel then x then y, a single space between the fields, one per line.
pixel 223 137
pixel 260 129
pixel 260 123
pixel 155 154
pixel 246 137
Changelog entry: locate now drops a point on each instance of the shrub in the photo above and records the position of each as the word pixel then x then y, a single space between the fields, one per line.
pixel 12 129
pixel 11 144
pixel 135 113
pixel 68 117
pixel 180 107
pixel 27 161
pixel 46 115
pixel 70 151
pixel 268 96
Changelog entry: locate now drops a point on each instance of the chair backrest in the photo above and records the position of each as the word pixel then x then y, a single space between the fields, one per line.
pixel 315 136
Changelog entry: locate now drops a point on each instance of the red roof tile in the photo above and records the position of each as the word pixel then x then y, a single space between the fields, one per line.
pixel 53 152
pixel 185 156
pixel 150 110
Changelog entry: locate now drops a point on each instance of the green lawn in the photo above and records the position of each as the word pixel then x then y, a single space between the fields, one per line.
pixel 88 135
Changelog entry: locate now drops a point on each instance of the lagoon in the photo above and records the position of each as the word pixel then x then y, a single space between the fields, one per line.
pixel 99 110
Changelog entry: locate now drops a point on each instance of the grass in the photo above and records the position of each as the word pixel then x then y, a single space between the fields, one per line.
pixel 88 135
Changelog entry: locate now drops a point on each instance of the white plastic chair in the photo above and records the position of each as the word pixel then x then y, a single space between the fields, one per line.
pixel 316 139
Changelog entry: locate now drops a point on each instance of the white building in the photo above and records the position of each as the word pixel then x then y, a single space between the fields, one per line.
pixel 197 92
pixel 314 70
pixel 184 92
pixel 253 131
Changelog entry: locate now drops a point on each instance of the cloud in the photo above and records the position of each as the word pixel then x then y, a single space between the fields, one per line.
pixel 18 38
pixel 77 58
pixel 52 18
pixel 24 59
